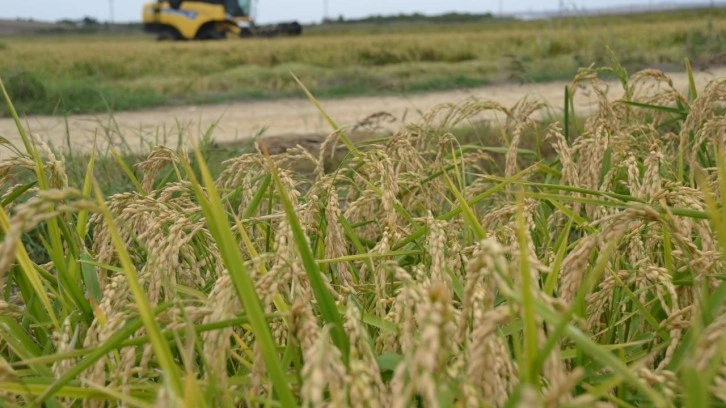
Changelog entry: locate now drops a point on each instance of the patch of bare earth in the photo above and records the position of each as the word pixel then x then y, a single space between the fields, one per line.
pixel 286 122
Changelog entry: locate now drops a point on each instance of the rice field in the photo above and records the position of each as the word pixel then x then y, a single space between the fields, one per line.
pixel 63 74
pixel 420 271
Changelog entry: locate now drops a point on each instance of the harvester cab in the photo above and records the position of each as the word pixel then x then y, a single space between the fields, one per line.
pixel 209 20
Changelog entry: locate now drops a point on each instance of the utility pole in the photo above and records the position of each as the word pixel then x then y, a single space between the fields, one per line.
pixel 325 10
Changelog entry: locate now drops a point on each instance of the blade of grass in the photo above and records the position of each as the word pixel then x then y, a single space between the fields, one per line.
pixel 56 249
pixel 471 221
pixel 161 348
pixel 396 205
pixel 90 278
pixel 24 347
pixel 530 353
pixel 456 211
pixel 659 108
pixel 73 293
pixel 17 193
pixel 278 300
pixel 325 299
pixel 82 223
pixel 695 389
pixel 140 340
pixel 120 396
pixel 572 216
pixel 603 391
pixel 495 149
pixel 373 320
pixel 257 198
pixel 346 141
pixel 29 147
pixel 692 90
pixel 92 356
pixel 75 392
pixel 560 328
pixel 357 244
pixel 364 256
pixel 567 115
pixel 571 189
pixel 684 212
pixel 30 273
pixel 604 357
pixel 127 170
pixel 218 223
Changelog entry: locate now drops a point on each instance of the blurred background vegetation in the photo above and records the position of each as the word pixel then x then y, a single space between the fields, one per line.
pixel 87 66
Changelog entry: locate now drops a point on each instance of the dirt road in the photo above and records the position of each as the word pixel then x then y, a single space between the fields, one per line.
pixel 288 117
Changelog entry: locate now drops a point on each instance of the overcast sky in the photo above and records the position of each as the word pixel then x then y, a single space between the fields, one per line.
pixel 302 10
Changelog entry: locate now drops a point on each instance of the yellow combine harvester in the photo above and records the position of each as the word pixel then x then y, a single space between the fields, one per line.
pixel 208 20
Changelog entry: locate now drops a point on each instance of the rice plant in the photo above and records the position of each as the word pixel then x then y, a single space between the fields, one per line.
pixel 420 271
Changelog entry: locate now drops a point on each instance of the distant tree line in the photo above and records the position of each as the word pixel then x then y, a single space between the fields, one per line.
pixel 413 18
pixel 90 25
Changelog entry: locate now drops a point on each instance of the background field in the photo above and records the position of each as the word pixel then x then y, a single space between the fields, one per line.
pixel 91 73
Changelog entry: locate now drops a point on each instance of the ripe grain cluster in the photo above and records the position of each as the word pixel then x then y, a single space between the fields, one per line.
pixel 419 271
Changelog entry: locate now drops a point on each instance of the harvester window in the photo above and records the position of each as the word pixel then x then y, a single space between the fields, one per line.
pixel 237 8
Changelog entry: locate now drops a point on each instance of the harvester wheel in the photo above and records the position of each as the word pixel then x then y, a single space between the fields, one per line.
pixel 168 34
pixel 210 32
